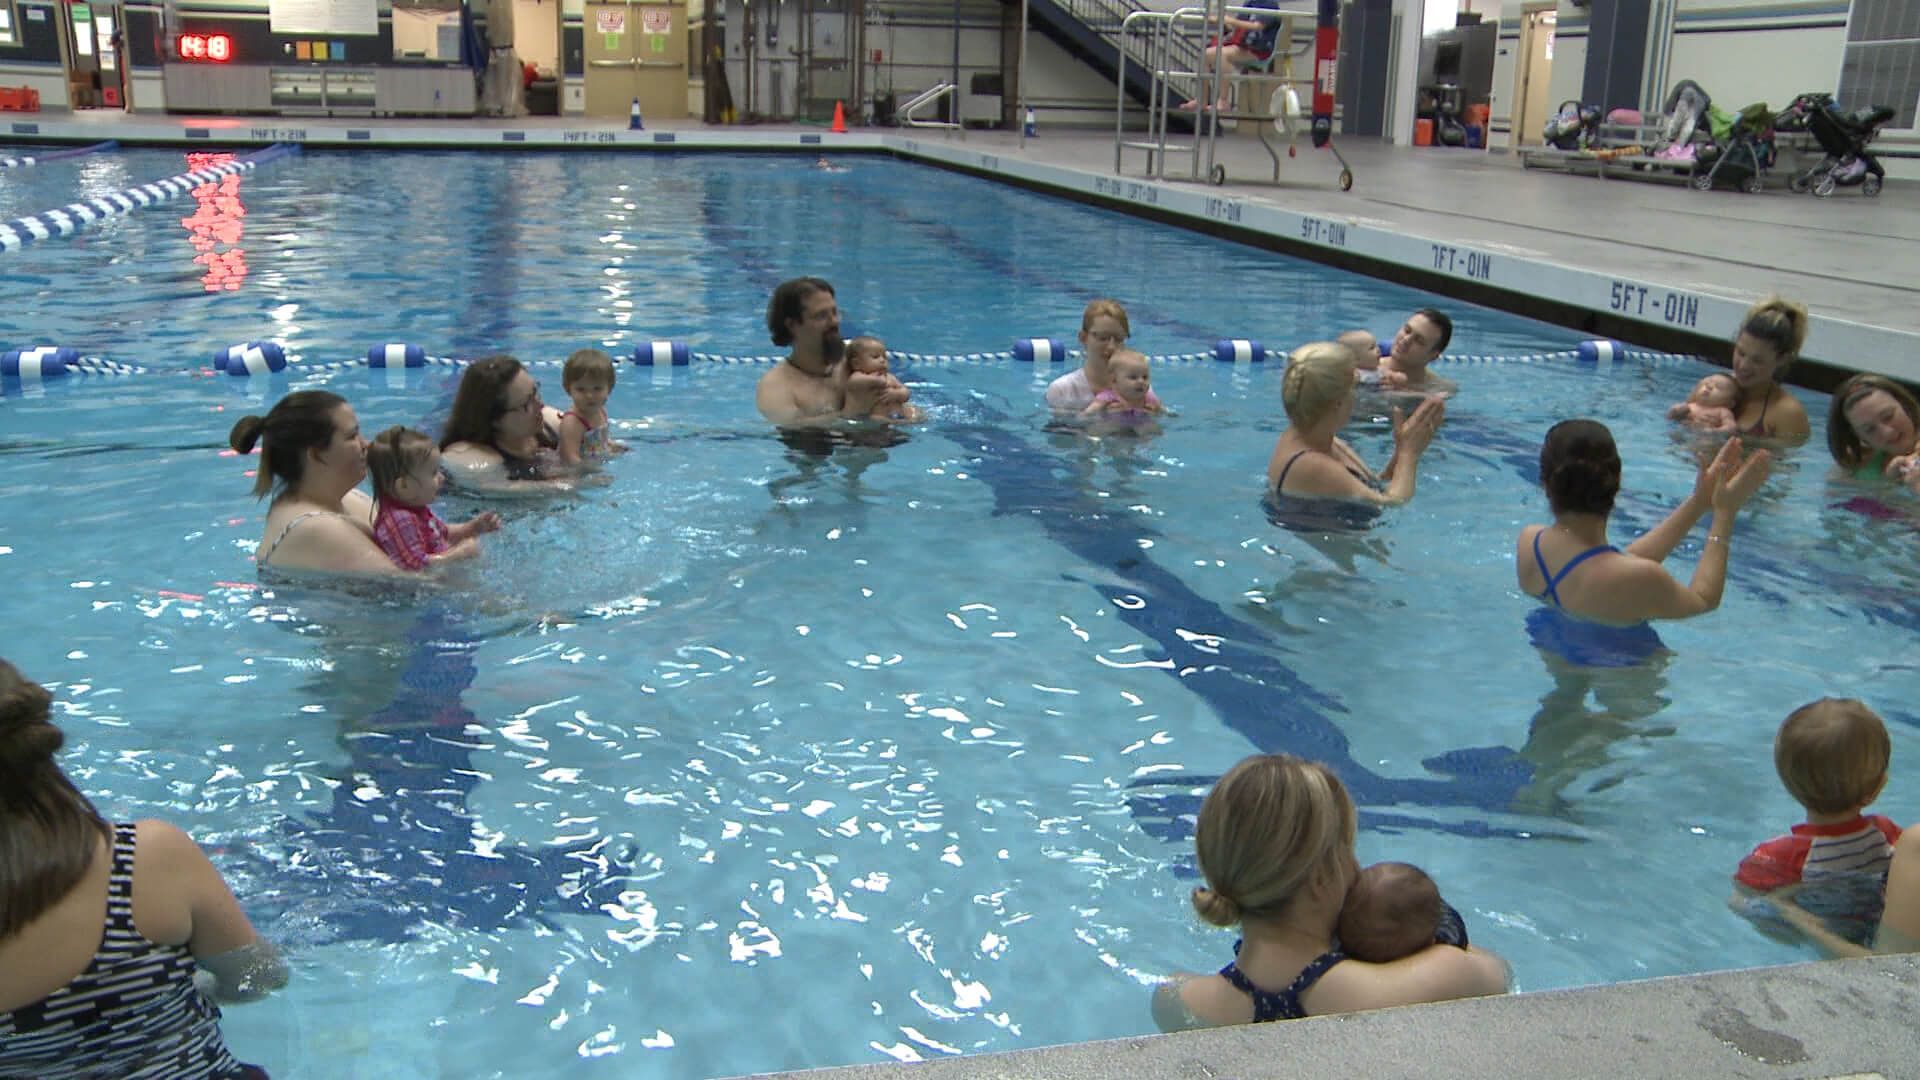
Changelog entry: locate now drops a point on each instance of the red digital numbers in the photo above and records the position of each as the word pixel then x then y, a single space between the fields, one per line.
pixel 206 48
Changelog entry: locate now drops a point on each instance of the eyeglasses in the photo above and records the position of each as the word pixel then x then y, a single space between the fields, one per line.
pixel 530 402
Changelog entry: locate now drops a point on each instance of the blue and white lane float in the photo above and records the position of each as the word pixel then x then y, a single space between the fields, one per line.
pixel 270 357
pixel 52 361
pixel 71 218
pixel 39 159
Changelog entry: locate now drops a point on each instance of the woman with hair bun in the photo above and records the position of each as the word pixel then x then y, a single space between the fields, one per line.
pixel 103 925
pixel 1590 586
pixel 312 459
pixel 1771 335
pixel 1275 844
pixel 1310 460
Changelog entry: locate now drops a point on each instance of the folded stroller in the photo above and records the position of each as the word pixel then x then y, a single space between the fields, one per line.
pixel 1843 136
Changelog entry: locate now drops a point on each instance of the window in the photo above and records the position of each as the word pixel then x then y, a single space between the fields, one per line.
pixel 1881 64
pixel 9 35
pixel 426 30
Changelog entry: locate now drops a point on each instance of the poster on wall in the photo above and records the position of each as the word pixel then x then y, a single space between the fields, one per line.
pixel 324 17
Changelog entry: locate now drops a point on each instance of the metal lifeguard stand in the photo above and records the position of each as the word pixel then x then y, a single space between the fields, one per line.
pixel 1166 39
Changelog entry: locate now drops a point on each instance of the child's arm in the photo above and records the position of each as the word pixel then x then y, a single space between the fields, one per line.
pixel 1680 411
pixel 1809 924
pixel 478 525
pixel 465 549
pixel 1723 420
pixel 572 431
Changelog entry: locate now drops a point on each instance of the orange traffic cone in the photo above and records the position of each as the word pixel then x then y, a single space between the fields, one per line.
pixel 840 118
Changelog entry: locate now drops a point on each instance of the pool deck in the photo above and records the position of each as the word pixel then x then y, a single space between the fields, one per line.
pixel 1843 1020
pixel 1657 264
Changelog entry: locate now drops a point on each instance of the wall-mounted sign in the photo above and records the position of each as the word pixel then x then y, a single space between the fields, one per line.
pixel 324 16
pixel 612 21
pixel 656 20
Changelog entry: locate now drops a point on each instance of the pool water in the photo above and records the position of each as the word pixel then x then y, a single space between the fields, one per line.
pixel 751 761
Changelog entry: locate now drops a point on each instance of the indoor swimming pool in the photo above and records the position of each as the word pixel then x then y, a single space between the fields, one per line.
pixel 749 760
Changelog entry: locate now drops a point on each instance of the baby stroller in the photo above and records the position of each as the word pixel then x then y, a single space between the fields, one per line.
pixel 1844 137
pixel 1743 158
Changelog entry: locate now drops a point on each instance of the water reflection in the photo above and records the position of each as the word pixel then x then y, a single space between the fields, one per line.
pixel 214 227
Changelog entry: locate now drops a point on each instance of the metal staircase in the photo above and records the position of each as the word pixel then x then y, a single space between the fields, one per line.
pixel 1091 31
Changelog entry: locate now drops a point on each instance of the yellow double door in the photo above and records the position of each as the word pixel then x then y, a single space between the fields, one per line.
pixel 636 51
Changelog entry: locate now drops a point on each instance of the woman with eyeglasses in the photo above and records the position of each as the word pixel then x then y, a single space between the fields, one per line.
pixel 501 436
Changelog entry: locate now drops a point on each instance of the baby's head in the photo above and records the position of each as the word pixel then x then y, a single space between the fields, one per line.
pixel 1392 910
pixel 1366 348
pixel 405 466
pixel 588 377
pixel 867 355
pixel 1832 755
pixel 1131 376
pixel 1716 391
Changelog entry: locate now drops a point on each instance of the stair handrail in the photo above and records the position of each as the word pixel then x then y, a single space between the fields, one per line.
pixel 920 101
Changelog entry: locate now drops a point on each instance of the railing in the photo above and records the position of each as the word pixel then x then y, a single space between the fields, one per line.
pixel 1107 18
pixel 923 99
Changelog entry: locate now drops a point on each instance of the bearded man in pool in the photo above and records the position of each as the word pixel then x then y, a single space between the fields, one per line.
pixel 812 388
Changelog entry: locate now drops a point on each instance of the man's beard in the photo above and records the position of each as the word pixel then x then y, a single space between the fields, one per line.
pixel 832 347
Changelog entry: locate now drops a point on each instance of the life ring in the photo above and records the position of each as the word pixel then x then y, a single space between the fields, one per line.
pixel 1285 107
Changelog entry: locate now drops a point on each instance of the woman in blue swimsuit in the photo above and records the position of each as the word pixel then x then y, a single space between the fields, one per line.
pixel 1275 843
pixel 1593 629
pixel 1586 580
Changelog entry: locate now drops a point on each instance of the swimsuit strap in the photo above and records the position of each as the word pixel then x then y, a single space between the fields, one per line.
pixel 1760 426
pixel 1553 581
pixel 1279 487
pixel 263 560
pixel 1285 1004
pixel 120 882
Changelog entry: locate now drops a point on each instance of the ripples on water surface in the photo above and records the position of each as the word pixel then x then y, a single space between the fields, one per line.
pixel 886 756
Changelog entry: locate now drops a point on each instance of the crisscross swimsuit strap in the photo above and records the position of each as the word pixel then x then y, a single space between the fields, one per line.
pixel 1285 1004
pixel 1553 580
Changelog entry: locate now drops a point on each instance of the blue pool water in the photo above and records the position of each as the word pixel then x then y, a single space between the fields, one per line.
pixel 885 757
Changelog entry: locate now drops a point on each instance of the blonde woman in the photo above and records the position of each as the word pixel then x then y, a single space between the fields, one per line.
pixel 1275 844
pixel 1770 337
pixel 1310 460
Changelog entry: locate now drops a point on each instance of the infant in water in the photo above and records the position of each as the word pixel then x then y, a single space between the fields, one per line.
pixel 1710 406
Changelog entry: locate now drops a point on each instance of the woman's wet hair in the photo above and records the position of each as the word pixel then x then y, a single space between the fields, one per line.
pixel 789 303
pixel 480 400
pixel 1848 450
pixel 1111 309
pixel 297 423
pixel 1268 829
pixel 1781 324
pixel 48 830
pixel 1580 468
pixel 1318 376
pixel 394 453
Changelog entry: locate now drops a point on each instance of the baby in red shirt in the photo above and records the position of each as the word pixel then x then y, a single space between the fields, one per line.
pixel 405 466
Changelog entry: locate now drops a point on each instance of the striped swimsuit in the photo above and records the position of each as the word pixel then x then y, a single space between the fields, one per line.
pixel 133 1014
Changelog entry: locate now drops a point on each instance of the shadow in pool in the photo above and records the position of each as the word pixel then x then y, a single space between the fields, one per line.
pixel 397 848
pixel 1232 665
